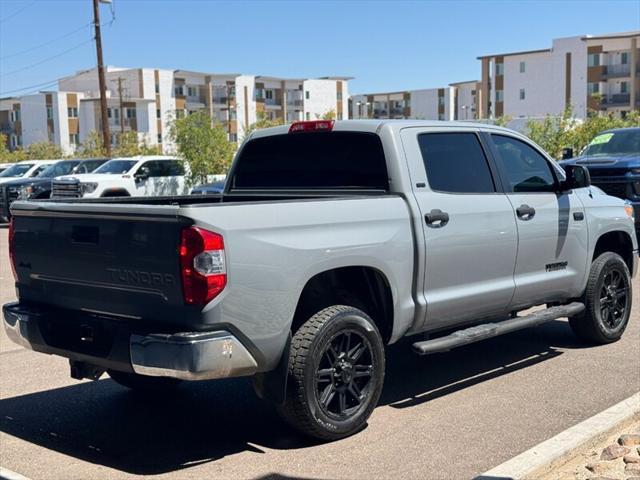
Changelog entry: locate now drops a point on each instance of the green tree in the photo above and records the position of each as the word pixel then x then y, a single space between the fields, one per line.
pixel 502 121
pixel 91 147
pixel 330 115
pixel 263 122
pixel 128 145
pixel 43 151
pixel 553 133
pixel 203 144
pixel 6 155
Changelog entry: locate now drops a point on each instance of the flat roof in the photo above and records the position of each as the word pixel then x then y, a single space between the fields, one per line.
pixel 605 36
pixel 524 52
pixel 463 83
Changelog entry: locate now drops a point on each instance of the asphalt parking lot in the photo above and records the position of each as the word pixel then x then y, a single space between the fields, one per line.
pixel 452 415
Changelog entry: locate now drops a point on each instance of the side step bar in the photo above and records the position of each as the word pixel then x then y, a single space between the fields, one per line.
pixel 489 330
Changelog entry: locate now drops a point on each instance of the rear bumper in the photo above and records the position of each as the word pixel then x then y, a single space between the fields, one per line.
pixel 186 355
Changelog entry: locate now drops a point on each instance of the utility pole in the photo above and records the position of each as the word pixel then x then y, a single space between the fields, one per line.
pixel 121 107
pixel 106 137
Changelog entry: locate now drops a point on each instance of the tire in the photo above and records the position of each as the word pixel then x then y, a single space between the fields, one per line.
pixel 336 372
pixel 607 306
pixel 143 383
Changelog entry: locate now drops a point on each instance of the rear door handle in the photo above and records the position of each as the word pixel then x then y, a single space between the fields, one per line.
pixel 436 218
pixel 525 212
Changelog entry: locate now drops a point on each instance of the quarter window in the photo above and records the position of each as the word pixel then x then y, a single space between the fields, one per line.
pixel 525 168
pixel 455 163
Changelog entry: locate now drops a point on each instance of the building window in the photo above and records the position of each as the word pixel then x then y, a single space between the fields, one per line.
pixel 522 67
pixel 339 116
pixel 49 113
pixel 232 114
pixel 14 115
pixel 499 95
pixel 624 87
pixel 130 113
pixel 192 91
pixel 268 94
pixel 233 137
pixel 306 94
pixel 114 139
pixel 339 96
pixel 259 93
pixel 113 113
pixel 158 113
pixel 440 100
pixel 522 95
pixel 73 139
pixel 441 116
pixel 157 88
pixel 593 60
pixel 307 116
pixel 159 138
pixel 72 112
pixel 624 58
pixel 593 87
pixel 499 68
pixel 179 90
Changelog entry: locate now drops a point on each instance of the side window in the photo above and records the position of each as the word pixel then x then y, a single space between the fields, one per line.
pixel 154 168
pixel 38 170
pixel 455 163
pixel 526 169
pixel 174 168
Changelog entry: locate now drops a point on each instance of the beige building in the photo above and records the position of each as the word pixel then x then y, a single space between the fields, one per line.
pixel 587 73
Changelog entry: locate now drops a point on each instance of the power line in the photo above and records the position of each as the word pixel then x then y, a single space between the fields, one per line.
pixel 27 67
pixel 36 86
pixel 20 10
pixel 31 49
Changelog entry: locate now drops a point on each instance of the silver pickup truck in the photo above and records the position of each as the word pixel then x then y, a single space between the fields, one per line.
pixel 330 241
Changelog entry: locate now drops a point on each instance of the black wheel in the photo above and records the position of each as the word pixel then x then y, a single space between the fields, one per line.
pixel 336 372
pixel 607 299
pixel 143 383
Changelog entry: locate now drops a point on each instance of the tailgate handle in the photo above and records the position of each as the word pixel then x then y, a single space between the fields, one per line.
pixel 85 234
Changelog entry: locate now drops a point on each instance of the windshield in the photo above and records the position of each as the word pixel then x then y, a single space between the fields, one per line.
pixel 61 168
pixel 614 143
pixel 116 167
pixel 17 170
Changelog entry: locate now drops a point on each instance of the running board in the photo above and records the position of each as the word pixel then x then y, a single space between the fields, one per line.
pixel 489 330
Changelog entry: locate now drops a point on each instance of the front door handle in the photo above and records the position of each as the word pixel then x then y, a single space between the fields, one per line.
pixel 436 218
pixel 525 212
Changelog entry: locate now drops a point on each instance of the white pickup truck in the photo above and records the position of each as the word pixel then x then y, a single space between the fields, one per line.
pixel 24 169
pixel 329 242
pixel 126 177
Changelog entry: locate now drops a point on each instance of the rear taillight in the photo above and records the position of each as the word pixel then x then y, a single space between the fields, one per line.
pixel 204 273
pixel 311 126
pixel 12 248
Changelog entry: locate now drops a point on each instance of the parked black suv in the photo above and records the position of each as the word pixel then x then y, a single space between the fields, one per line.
pixel 40 187
pixel 613 160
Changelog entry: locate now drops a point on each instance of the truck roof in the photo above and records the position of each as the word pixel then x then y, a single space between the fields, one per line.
pixel 375 125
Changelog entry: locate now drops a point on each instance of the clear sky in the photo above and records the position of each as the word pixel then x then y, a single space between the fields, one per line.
pixel 385 45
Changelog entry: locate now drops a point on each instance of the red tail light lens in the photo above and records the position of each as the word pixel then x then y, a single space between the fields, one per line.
pixel 12 248
pixel 202 264
pixel 311 126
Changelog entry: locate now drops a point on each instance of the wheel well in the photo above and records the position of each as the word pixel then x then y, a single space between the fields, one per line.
pixel 365 288
pixel 121 192
pixel 617 242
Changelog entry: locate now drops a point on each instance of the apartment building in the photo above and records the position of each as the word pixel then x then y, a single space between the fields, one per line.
pixel 456 101
pixel 588 73
pixel 146 100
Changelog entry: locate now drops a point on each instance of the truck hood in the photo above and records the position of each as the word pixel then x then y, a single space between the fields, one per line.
pixel 631 160
pixel 23 182
pixel 93 177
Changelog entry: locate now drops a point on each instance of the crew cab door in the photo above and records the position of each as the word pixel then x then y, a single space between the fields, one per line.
pixel 164 177
pixel 468 225
pixel 552 230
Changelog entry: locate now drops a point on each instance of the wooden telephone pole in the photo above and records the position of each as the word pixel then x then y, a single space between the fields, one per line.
pixel 106 137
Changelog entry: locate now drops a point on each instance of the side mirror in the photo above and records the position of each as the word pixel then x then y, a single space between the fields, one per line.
pixel 142 174
pixel 577 177
pixel 567 153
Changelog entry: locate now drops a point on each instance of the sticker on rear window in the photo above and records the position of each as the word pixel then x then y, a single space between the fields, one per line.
pixel 604 138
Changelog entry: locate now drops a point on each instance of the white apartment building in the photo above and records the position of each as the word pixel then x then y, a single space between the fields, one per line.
pixel 456 101
pixel 146 100
pixel 588 73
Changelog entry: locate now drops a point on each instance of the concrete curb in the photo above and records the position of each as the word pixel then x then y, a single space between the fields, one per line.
pixel 6 474
pixel 550 453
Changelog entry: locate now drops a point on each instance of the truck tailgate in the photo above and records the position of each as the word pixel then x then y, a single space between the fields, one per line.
pixel 119 260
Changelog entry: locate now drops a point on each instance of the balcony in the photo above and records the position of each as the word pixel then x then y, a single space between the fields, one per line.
pixel 616 71
pixel 616 100
pixel 294 104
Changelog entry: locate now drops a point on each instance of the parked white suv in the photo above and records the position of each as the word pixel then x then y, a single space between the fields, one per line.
pixel 25 169
pixel 126 177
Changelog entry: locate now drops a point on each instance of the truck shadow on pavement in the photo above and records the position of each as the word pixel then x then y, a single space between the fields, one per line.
pixel 105 424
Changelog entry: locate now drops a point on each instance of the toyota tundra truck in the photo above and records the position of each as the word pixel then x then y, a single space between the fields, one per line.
pixel 330 241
